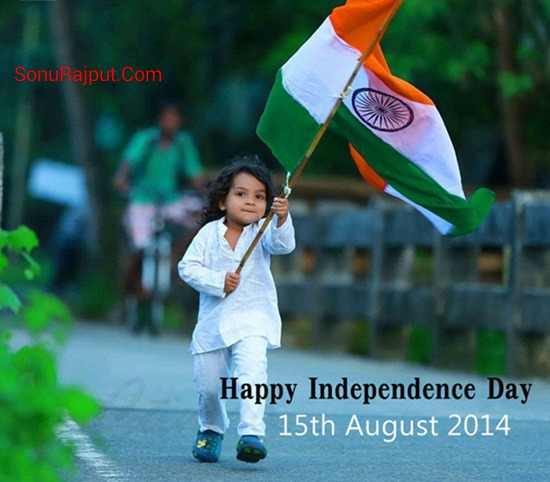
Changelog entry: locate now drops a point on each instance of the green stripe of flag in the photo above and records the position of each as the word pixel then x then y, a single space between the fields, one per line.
pixel 286 127
pixel 411 181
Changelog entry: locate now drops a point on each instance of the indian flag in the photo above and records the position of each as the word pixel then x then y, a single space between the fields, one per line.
pixel 391 130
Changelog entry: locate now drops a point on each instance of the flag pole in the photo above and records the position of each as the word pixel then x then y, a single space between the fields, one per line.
pixel 379 33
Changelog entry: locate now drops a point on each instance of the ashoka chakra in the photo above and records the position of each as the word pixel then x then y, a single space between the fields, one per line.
pixel 381 111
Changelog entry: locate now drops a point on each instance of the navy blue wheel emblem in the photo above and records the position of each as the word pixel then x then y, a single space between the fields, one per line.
pixel 381 111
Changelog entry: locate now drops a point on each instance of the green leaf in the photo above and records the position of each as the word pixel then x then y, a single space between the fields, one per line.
pixel 3 263
pixel 44 309
pixel 8 299
pixel 33 269
pixel 36 364
pixel 22 238
pixel 53 306
pixel 3 239
pixel 80 406
pixel 35 318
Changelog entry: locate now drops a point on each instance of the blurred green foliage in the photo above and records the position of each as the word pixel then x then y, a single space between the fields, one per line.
pixel 359 336
pixel 490 352
pixel 420 345
pixel 32 402
pixel 221 57
pixel 447 49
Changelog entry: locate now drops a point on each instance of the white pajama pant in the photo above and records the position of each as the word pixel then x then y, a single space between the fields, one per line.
pixel 249 359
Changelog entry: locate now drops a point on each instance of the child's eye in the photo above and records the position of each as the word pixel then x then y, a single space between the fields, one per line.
pixel 259 196
pixel 240 194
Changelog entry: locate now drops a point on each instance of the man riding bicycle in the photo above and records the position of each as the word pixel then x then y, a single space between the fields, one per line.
pixel 153 165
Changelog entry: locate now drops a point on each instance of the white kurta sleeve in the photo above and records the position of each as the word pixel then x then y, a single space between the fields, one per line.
pixel 192 270
pixel 279 240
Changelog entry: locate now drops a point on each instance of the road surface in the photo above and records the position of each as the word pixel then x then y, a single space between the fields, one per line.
pixel 149 422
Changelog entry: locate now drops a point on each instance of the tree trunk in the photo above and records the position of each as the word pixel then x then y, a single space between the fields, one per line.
pixel 1 175
pixel 79 126
pixel 23 124
pixel 520 166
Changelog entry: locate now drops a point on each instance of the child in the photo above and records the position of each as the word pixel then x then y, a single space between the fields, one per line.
pixel 238 317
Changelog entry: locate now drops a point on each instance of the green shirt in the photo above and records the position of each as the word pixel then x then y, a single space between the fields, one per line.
pixel 155 170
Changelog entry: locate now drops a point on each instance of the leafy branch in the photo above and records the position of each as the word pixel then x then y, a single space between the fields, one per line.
pixel 32 402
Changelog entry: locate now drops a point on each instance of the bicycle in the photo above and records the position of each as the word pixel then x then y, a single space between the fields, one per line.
pixel 156 262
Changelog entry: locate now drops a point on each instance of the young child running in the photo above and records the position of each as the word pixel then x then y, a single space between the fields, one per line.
pixel 238 317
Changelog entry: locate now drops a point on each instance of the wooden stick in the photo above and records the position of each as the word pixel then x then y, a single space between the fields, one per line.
pixel 383 27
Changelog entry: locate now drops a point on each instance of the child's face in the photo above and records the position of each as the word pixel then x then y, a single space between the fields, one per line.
pixel 246 200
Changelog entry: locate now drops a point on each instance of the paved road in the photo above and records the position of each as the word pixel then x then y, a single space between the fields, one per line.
pixel 149 421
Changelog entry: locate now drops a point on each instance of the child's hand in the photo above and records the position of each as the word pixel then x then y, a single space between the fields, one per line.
pixel 231 282
pixel 280 208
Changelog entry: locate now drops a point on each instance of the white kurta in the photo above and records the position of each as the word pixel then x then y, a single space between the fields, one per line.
pixel 250 310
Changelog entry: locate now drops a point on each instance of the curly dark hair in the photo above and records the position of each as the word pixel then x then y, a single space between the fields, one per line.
pixel 218 188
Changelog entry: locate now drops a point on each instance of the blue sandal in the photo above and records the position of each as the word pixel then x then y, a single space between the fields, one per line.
pixel 251 448
pixel 208 446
